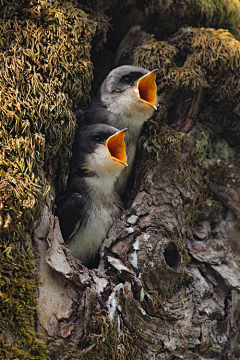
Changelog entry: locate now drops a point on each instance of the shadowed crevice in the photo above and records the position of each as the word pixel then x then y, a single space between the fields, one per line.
pixel 171 256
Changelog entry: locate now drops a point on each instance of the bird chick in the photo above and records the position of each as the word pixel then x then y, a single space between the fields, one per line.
pixel 126 98
pixel 89 205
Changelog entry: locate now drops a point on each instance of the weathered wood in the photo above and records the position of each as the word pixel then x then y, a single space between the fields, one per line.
pixel 145 282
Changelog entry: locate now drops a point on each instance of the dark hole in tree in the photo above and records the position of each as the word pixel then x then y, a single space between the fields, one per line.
pixel 171 255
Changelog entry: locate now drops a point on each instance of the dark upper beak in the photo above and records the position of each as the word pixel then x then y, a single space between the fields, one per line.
pixel 147 89
pixel 117 148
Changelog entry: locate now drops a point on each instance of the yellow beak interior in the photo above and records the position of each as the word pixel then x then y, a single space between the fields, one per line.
pixel 117 148
pixel 147 89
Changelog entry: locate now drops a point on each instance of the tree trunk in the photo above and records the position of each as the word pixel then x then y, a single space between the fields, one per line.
pixel 168 282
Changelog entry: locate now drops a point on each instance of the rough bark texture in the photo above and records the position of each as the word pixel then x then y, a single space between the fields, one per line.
pixel 173 305
pixel 168 282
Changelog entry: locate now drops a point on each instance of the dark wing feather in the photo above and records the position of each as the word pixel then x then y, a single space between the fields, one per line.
pixel 97 112
pixel 71 212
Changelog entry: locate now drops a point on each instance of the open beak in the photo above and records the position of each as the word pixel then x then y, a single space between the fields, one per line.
pixel 147 89
pixel 117 148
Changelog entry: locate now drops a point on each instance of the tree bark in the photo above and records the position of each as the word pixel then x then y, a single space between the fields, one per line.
pixel 168 282
pixel 172 287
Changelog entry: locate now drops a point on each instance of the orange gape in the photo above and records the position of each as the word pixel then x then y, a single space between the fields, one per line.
pixel 147 89
pixel 117 148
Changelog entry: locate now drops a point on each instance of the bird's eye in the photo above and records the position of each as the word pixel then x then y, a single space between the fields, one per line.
pixel 127 79
pixel 98 139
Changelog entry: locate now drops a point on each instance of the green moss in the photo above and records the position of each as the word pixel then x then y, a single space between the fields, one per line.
pixel 17 304
pixel 165 17
pixel 212 54
pixel 104 343
pixel 155 55
pixel 195 58
pixel 215 162
pixel 162 142
pixel 97 10
pixel 198 77
pixel 163 56
pixel 46 72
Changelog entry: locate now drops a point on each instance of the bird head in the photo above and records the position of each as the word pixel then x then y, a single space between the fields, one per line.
pixel 132 91
pixel 99 149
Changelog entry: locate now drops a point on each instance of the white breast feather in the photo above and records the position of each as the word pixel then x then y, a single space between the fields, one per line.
pixel 133 112
pixel 86 242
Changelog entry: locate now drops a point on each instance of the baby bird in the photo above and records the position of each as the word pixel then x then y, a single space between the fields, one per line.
pixel 126 98
pixel 89 205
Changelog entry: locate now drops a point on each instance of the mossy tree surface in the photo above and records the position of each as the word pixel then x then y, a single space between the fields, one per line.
pixel 45 69
pixel 199 98
pixel 168 282
pixel 175 14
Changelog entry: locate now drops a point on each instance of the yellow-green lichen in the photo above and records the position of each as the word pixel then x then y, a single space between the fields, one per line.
pixel 211 153
pixel 216 161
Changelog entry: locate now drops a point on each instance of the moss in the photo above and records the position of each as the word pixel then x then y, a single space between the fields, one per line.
pixel 97 10
pixel 215 161
pixel 195 58
pixel 164 56
pixel 103 342
pixel 162 142
pixel 155 55
pixel 155 143
pixel 215 57
pixel 165 17
pixel 198 78
pixel 45 72
pixel 17 304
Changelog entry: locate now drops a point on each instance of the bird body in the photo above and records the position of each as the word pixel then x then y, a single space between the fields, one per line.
pixel 126 98
pixel 103 207
pixel 90 204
